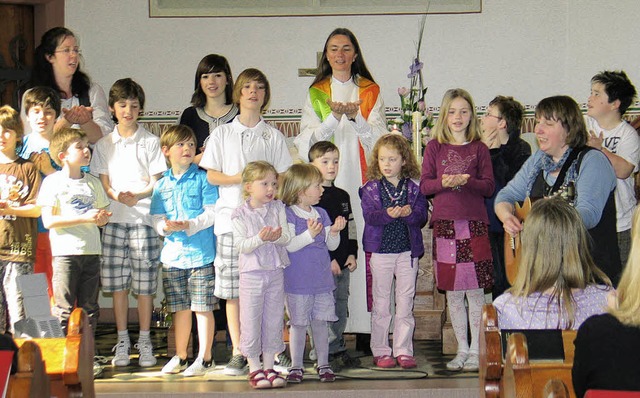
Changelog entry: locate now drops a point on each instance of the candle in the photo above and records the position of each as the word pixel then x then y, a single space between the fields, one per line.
pixel 416 122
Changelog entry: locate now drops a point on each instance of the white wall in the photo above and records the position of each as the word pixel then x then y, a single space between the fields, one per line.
pixel 528 49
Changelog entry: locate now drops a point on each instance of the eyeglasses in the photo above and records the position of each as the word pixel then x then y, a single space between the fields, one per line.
pixel 497 117
pixel 69 50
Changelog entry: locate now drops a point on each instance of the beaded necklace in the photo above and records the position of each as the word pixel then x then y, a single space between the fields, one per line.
pixel 397 196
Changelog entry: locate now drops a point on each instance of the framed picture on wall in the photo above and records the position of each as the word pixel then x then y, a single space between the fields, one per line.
pixel 279 8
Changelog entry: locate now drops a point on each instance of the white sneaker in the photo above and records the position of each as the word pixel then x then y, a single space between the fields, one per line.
pixel 198 368
pixel 472 363
pixel 121 356
pixel 175 365
pixel 145 349
pixel 458 362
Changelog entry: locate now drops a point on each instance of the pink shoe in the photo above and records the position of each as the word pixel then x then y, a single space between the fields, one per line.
pixel 406 361
pixel 384 361
pixel 326 374
pixel 295 375
pixel 259 380
pixel 275 379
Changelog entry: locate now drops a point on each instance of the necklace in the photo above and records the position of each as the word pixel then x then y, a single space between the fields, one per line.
pixel 398 192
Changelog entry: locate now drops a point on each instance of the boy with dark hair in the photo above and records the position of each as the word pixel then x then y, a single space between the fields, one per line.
pixel 325 156
pixel 611 94
pixel 129 162
pixel 19 185
pixel 42 107
pixel 501 126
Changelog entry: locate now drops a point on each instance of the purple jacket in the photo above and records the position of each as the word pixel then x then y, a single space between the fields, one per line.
pixel 376 217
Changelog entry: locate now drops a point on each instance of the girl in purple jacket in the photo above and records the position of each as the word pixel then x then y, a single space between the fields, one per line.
pixel 394 212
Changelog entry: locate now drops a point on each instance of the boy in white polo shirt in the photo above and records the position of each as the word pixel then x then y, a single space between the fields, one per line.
pixel 611 94
pixel 129 161
pixel 230 147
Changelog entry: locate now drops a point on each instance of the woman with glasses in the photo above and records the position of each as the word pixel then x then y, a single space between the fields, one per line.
pixel 57 65
pixel 501 133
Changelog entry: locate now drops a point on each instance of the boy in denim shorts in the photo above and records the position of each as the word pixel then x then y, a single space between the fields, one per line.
pixel 129 162
pixel 182 206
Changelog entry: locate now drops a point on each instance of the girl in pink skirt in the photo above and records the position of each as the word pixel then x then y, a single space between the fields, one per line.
pixel 457 173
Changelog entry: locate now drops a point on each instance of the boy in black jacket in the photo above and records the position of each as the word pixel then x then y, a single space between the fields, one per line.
pixel 325 156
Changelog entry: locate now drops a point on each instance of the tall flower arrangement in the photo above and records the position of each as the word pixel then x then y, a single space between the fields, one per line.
pixel 414 121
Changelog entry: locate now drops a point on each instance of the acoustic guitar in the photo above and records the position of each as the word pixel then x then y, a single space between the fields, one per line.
pixel 513 244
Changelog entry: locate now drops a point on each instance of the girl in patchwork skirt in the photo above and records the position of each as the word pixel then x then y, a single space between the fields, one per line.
pixel 457 173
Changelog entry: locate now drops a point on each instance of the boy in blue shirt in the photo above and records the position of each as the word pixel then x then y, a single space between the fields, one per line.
pixel 42 107
pixel 182 206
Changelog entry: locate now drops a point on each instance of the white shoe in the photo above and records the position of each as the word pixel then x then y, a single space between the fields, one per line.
pixel 175 365
pixel 121 356
pixel 198 368
pixel 145 349
pixel 472 363
pixel 458 362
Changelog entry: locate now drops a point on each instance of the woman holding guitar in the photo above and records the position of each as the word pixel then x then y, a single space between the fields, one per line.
pixel 565 166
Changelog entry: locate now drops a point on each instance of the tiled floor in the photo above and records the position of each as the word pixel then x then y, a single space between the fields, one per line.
pixel 430 379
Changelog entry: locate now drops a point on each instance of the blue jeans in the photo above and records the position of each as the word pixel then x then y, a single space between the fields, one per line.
pixel 76 282
pixel 341 296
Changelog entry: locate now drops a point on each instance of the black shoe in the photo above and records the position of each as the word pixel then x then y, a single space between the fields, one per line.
pixel 363 343
pixel 347 360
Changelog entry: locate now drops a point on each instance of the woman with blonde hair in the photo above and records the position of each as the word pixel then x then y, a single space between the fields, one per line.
pixel 608 345
pixel 555 287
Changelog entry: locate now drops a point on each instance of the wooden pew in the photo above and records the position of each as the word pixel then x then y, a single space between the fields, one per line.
pixel 69 360
pixel 30 379
pixel 490 368
pixel 522 378
pixel 555 389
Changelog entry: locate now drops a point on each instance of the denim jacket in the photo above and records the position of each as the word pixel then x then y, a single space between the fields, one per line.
pixel 376 217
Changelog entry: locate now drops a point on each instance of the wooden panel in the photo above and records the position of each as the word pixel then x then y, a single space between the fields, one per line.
pixel 17 27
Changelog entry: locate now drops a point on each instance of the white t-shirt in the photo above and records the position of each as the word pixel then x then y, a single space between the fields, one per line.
pixel 229 148
pixel 622 140
pixel 69 197
pixel 129 163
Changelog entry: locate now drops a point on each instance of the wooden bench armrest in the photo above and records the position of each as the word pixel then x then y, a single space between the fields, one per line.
pixel 490 369
pixel 69 360
pixel 30 379
pixel 555 388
